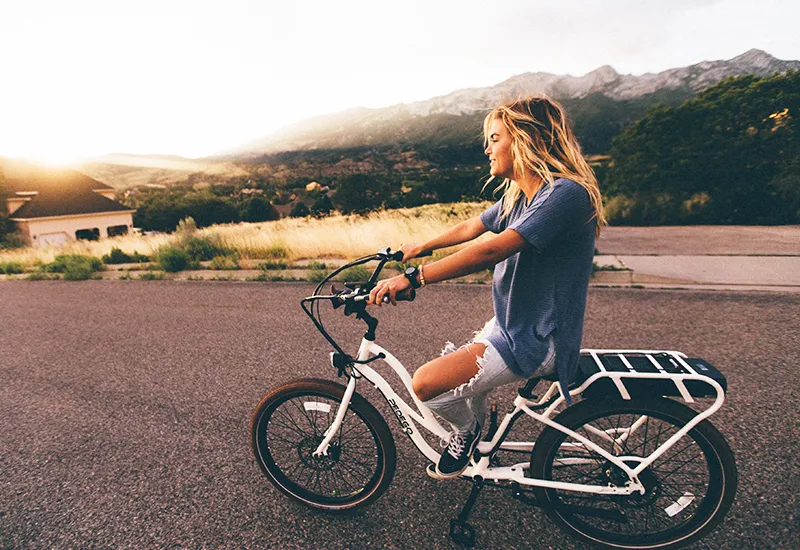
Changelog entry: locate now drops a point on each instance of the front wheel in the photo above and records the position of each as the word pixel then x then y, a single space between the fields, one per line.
pixel 288 426
pixel 688 489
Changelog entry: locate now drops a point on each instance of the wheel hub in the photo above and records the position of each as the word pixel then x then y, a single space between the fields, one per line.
pixel 306 449
pixel 649 480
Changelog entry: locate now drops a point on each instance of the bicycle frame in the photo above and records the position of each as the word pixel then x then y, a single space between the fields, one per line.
pixel 409 418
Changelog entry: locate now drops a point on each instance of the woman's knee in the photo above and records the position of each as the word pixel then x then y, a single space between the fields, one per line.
pixel 423 385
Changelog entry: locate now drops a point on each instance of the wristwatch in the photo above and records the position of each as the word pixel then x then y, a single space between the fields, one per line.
pixel 412 274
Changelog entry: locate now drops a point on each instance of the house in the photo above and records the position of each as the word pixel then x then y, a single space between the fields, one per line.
pixel 316 186
pixel 53 206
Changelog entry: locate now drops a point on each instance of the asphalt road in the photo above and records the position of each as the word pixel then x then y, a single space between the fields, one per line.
pixel 125 411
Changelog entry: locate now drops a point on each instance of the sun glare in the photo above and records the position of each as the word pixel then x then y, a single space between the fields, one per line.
pixel 55 159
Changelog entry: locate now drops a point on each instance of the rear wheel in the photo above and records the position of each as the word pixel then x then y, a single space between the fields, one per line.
pixel 688 489
pixel 288 426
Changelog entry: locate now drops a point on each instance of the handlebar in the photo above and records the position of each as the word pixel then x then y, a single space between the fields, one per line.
pixel 355 295
pixel 383 256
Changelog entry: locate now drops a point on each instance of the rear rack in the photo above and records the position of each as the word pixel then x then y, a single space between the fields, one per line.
pixel 647 373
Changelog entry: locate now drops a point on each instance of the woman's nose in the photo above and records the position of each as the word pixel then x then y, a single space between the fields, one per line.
pixel 487 151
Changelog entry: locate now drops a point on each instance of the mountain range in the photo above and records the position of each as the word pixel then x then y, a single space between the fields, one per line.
pixel 441 129
pixel 359 127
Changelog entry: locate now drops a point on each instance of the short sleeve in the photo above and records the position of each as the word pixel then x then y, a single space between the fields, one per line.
pixel 563 208
pixel 491 217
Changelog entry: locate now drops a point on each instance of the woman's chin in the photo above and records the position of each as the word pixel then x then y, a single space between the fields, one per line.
pixel 496 174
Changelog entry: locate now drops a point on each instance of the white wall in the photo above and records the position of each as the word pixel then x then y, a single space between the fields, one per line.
pixel 40 231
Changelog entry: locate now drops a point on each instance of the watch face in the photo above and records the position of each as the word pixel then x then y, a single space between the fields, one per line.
pixel 411 275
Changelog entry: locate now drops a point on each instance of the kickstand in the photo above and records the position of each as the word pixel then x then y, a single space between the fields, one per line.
pixel 462 532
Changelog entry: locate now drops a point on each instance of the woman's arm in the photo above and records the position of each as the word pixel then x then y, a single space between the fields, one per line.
pixel 465 231
pixel 469 260
pixel 476 257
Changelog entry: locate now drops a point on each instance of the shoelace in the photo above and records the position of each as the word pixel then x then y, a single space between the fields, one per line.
pixel 456 446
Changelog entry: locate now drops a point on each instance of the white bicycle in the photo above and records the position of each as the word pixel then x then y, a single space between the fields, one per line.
pixel 623 467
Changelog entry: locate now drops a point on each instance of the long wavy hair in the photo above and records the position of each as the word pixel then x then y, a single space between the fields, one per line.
pixel 542 144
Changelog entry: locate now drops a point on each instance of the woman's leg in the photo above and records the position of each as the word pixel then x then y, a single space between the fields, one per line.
pixel 455 385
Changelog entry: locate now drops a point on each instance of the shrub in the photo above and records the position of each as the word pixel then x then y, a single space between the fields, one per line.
pixel 187 227
pixel 117 256
pixel 150 276
pixel 80 268
pixel 317 275
pixel 172 259
pixel 41 276
pixel 203 248
pixel 12 241
pixel 274 251
pixel 314 264
pixel 62 262
pixel 11 268
pixel 224 263
pixel 358 273
pixel 75 267
pixel 273 265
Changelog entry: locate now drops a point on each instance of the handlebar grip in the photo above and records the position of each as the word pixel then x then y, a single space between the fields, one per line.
pixel 408 295
pixel 398 255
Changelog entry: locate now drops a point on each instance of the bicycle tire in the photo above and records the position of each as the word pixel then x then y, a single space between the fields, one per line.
pixel 288 425
pixel 689 489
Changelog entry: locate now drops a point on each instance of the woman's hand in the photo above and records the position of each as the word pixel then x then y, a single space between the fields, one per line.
pixel 411 251
pixel 388 287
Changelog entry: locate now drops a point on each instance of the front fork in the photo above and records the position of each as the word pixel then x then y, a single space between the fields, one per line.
pixel 333 429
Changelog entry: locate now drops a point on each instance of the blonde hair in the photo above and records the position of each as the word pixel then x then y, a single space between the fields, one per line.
pixel 542 144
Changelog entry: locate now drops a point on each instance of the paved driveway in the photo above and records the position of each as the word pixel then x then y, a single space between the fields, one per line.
pixel 125 409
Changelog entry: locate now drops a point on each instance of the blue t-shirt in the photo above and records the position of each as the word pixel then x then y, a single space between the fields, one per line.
pixel 541 291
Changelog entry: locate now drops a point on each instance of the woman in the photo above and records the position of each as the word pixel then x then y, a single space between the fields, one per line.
pixel 545 226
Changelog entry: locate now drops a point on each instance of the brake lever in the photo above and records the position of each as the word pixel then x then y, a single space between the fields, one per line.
pixel 336 302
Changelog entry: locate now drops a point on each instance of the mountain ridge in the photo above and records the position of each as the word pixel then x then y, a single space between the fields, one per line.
pixel 331 130
pixel 440 133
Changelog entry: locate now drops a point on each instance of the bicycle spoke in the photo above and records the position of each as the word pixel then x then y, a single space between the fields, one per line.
pixel 680 470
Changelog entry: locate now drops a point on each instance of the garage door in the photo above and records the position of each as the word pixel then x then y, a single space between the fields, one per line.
pixel 53 238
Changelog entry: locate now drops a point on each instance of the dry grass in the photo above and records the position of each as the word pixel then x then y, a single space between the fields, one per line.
pixel 289 238
pixel 128 244
pixel 343 236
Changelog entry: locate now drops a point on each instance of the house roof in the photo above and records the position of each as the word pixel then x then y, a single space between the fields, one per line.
pixel 59 192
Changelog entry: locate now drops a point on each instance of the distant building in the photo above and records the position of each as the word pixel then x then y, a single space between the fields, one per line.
pixel 55 206
pixel 313 186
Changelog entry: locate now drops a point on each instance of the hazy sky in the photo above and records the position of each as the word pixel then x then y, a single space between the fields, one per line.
pixel 192 77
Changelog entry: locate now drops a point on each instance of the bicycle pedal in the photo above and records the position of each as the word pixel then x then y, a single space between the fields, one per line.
pixel 462 533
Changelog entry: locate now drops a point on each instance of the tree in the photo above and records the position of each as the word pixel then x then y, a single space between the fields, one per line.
pixel 258 209
pixel 6 225
pixel 360 193
pixel 163 211
pixel 322 206
pixel 299 210
pixel 727 156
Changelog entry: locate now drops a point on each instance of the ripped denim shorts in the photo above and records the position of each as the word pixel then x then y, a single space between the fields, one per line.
pixel 466 402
